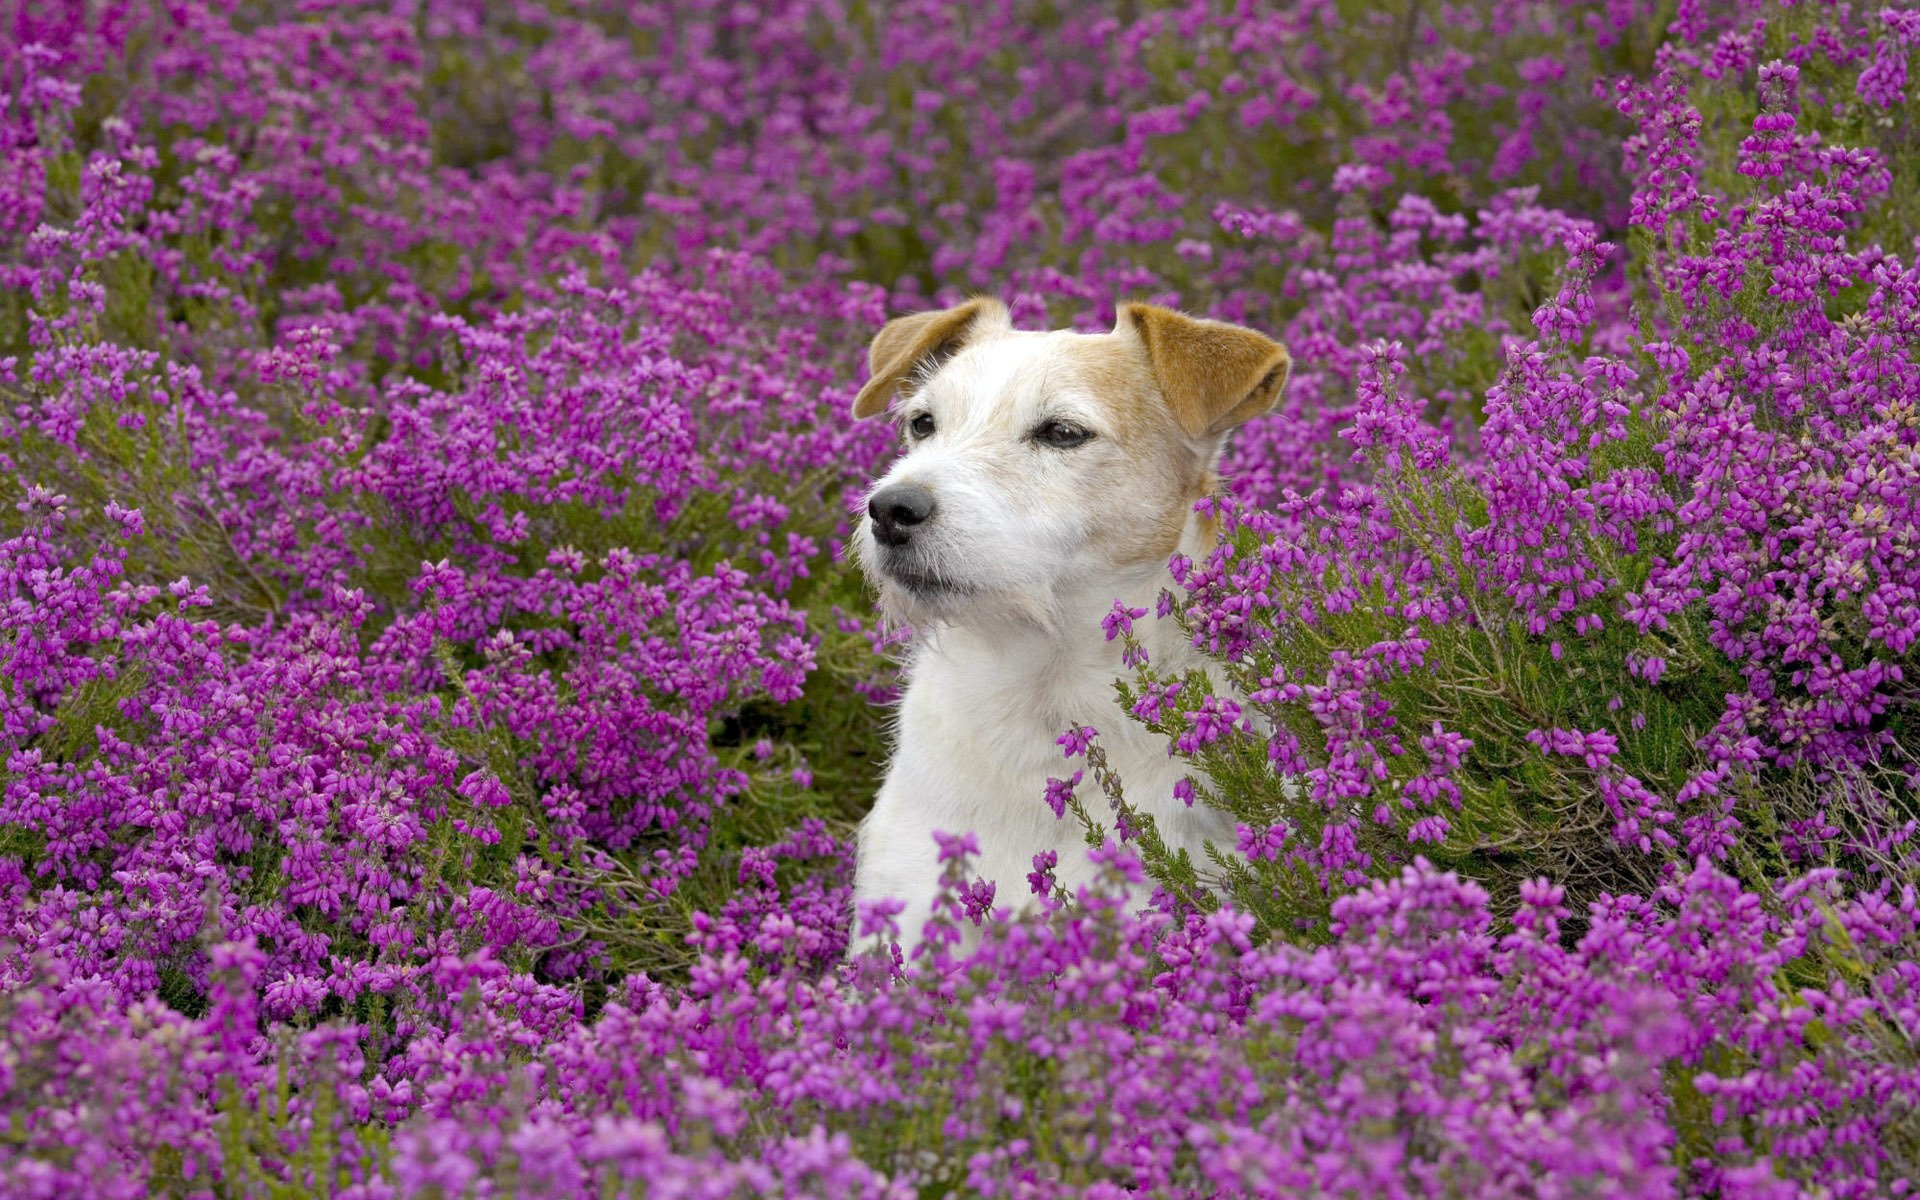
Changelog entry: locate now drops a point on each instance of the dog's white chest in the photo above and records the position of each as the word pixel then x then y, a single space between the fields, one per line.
pixel 976 745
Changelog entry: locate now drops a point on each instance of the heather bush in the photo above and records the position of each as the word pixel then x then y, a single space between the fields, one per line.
pixel 434 703
pixel 1663 611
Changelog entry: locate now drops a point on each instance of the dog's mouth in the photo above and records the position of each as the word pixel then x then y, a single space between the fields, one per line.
pixel 922 582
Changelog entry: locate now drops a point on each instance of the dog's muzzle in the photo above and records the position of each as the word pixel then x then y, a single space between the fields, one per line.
pixel 897 510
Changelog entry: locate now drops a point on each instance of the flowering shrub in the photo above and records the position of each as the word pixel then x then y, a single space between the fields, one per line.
pixel 434 709
pixel 1711 519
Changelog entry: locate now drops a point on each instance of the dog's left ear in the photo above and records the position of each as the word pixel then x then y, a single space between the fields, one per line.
pixel 1214 375
pixel 906 342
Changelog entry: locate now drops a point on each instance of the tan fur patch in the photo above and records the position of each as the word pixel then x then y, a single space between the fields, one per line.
pixel 1166 469
pixel 1214 375
pixel 905 342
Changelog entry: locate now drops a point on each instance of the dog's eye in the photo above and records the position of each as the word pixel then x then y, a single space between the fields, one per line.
pixel 921 426
pixel 1061 436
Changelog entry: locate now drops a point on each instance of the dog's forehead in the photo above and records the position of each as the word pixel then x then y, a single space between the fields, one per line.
pixel 1012 375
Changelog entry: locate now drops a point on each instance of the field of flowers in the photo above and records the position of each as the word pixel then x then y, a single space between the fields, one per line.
pixel 435 705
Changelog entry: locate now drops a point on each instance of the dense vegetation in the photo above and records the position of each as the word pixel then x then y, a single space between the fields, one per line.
pixel 435 704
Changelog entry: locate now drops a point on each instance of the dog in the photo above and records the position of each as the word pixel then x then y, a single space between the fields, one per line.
pixel 1046 475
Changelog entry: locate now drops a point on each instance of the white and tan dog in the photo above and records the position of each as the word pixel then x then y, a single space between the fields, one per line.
pixel 1046 476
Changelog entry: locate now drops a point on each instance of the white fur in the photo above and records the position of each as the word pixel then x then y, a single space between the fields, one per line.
pixel 1015 655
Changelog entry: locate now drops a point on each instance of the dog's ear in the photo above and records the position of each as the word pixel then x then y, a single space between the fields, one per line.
pixel 1214 375
pixel 902 345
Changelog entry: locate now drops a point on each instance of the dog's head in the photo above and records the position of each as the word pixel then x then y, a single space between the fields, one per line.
pixel 1040 466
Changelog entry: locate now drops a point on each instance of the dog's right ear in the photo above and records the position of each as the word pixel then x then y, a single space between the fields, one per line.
pixel 903 344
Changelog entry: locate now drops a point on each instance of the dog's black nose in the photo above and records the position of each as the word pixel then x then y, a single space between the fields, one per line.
pixel 896 510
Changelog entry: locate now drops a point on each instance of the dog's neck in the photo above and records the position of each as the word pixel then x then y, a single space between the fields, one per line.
pixel 1064 671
